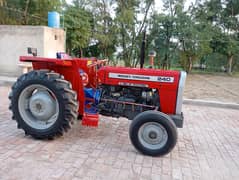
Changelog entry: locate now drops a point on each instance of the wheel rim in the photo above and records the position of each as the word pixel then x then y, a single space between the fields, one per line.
pixel 38 106
pixel 152 135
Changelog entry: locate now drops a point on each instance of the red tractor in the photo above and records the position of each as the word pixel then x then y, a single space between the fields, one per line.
pixel 46 101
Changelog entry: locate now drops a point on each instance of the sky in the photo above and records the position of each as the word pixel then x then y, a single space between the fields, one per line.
pixel 159 4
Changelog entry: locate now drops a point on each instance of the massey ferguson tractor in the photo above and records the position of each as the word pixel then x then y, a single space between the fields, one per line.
pixel 46 101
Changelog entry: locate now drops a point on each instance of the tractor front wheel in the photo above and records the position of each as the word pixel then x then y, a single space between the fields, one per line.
pixel 43 104
pixel 153 133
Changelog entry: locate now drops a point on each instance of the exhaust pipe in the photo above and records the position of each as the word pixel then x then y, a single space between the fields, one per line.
pixel 142 51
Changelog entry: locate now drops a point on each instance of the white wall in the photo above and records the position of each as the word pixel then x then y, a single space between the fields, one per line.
pixel 14 41
pixel 54 41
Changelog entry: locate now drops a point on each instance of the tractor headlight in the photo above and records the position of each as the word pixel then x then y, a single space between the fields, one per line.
pixel 181 85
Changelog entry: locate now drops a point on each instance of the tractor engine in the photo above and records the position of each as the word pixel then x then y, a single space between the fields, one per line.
pixel 127 101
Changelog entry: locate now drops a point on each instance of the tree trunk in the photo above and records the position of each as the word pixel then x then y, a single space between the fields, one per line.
pixel 25 12
pixel 190 64
pixel 169 65
pixel 125 53
pixel 69 49
pixel 164 64
pixel 230 60
pixel 81 52
pixel 127 62
pixel 159 65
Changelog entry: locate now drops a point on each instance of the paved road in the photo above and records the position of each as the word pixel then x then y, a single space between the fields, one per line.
pixel 207 148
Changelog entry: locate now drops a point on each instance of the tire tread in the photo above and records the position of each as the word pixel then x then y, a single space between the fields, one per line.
pixel 69 97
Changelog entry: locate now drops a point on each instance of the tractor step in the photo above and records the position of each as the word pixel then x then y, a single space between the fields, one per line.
pixel 90 119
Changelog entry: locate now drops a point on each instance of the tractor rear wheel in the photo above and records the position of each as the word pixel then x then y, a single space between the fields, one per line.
pixel 43 104
pixel 153 133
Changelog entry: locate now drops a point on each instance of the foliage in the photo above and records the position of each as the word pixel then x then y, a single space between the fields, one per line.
pixel 77 23
pixel 103 28
pixel 160 39
pixel 205 33
pixel 25 12
pixel 130 28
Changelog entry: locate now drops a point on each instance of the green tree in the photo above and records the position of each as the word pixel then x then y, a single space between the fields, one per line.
pixel 174 34
pixel 193 34
pixel 129 28
pixel 222 16
pixel 78 25
pixel 226 45
pixel 28 12
pixel 103 27
pixel 230 23
pixel 160 39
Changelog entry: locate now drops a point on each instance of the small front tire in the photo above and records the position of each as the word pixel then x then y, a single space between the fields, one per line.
pixel 153 133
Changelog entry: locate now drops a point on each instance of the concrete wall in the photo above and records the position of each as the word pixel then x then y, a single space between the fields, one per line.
pixel 14 41
pixel 54 41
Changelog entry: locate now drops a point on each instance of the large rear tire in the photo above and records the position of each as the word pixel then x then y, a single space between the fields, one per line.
pixel 43 104
pixel 153 133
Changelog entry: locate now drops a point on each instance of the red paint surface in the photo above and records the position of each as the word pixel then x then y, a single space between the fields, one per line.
pixel 167 91
pixel 70 69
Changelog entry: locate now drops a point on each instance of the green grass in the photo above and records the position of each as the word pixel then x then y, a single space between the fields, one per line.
pixel 236 74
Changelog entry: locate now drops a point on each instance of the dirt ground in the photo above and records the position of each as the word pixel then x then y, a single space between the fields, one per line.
pixel 212 87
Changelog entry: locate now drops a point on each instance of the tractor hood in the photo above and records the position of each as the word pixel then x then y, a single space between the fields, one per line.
pixel 170 84
pixel 150 78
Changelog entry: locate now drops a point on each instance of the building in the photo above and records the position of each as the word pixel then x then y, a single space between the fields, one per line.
pixel 14 41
